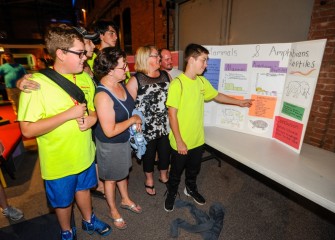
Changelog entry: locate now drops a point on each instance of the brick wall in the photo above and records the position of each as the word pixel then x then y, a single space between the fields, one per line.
pixel 320 130
pixel 148 22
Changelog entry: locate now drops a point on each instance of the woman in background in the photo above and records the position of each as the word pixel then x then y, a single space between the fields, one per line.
pixel 149 87
pixel 114 106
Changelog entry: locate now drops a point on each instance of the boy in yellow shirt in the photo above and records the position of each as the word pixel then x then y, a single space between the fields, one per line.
pixel 62 128
pixel 186 96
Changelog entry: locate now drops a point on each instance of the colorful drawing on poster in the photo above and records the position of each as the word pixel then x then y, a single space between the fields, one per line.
pixel 231 117
pixel 293 111
pixel 263 106
pixel 259 125
pixel 270 84
pixel 298 89
pixel 235 82
pixel 212 72
pixel 301 73
pixel 288 131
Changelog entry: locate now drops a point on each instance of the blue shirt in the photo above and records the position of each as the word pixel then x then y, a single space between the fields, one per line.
pixel 12 72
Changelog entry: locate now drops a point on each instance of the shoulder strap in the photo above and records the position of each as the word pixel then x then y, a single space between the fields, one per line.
pixel 202 80
pixel 203 83
pixel 181 86
pixel 72 89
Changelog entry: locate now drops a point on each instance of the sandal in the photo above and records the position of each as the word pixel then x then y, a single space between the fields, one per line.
pixel 119 223
pixel 161 181
pixel 150 187
pixel 98 194
pixel 133 208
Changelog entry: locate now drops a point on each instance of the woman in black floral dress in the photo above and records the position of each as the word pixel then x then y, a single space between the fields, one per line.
pixel 149 87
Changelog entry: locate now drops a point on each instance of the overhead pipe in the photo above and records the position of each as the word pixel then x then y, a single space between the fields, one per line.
pixel 228 21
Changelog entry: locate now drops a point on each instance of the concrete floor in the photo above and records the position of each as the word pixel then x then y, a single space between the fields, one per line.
pixel 256 208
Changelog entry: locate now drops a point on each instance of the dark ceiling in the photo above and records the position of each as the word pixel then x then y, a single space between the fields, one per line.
pixel 25 21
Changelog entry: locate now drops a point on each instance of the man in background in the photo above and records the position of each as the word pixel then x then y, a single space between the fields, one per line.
pixel 167 63
pixel 107 33
pixel 12 72
pixel 89 39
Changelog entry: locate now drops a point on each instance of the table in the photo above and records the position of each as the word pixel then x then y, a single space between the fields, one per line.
pixel 310 173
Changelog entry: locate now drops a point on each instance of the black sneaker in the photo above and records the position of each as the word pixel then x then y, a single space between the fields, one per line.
pixel 195 195
pixel 169 202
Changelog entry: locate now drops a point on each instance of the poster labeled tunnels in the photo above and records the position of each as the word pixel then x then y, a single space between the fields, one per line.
pixel 280 77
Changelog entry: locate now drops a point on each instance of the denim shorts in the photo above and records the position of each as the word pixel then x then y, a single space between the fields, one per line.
pixel 60 192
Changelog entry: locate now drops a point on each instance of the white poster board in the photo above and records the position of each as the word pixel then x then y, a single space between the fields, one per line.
pixel 280 77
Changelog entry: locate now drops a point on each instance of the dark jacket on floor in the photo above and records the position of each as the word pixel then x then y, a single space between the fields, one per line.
pixel 209 226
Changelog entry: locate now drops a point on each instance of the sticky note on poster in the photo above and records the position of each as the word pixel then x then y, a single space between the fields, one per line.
pixel 287 131
pixel 263 106
pixel 293 111
pixel 212 72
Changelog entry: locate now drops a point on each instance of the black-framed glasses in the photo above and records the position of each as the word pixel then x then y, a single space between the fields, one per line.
pixel 124 67
pixel 80 54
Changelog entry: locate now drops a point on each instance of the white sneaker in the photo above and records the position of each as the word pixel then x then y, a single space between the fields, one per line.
pixel 12 213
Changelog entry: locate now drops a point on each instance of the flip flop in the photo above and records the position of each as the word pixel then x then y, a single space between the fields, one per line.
pixel 161 181
pixel 133 208
pixel 119 221
pixel 150 187
pixel 97 194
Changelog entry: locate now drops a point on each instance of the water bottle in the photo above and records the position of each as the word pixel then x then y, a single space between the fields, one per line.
pixel 133 129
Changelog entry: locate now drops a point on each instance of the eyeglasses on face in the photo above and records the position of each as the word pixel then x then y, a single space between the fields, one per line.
pixel 81 54
pixel 124 67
